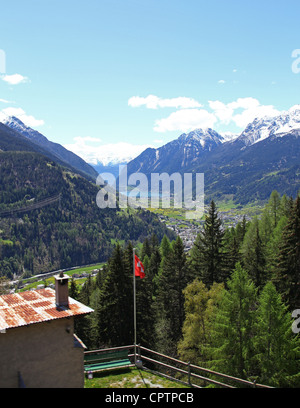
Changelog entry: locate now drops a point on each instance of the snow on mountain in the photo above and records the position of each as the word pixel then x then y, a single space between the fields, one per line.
pixel 205 137
pixel 260 129
pixel 60 152
pixel 229 136
pixel 15 123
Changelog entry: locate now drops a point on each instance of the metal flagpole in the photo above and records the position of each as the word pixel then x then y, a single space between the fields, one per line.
pixel 134 306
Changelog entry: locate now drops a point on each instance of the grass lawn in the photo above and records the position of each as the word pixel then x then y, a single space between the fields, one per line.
pixel 49 280
pixel 130 378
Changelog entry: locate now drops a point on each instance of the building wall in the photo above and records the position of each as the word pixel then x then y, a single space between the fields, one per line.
pixel 44 354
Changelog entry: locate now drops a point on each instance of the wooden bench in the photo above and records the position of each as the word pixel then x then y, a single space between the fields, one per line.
pixel 106 360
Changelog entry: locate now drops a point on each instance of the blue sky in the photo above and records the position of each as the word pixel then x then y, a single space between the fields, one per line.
pixel 110 77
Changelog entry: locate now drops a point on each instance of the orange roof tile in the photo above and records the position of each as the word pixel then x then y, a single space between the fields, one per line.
pixel 24 308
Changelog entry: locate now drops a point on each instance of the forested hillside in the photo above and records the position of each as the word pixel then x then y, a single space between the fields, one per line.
pixel 227 305
pixel 71 230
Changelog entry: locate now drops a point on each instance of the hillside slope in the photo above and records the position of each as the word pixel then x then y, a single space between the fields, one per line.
pixel 36 142
pixel 70 231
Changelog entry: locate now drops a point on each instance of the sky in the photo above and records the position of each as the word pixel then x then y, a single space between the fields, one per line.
pixel 108 78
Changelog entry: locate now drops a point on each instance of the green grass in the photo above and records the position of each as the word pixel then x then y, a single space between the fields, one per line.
pixel 6 242
pixel 48 281
pixel 130 378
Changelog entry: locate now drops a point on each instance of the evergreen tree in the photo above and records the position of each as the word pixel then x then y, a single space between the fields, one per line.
pixel 153 270
pixel 73 289
pixel 274 207
pixel 232 249
pixel 277 349
pixel 232 331
pixel 207 255
pixel 114 313
pixel 288 269
pixel 170 299
pixel 145 314
pixel 146 249
pixel 253 255
pixel 272 251
pixel 284 206
pixel 154 243
pixel 200 307
pixel 165 246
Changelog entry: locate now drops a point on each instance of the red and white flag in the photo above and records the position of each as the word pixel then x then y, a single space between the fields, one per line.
pixel 139 268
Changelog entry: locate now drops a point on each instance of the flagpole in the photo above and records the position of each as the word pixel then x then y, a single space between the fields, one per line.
pixel 134 306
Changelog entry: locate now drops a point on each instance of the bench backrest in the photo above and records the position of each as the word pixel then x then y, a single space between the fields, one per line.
pixel 109 356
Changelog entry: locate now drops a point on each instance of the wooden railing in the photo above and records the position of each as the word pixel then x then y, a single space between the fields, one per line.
pixel 190 369
pixel 187 370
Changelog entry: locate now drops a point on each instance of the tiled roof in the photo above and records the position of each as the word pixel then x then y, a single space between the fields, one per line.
pixel 35 306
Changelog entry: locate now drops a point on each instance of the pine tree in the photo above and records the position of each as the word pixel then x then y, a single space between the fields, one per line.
pixel 272 250
pixel 170 299
pixel 288 269
pixel 146 249
pixel 114 313
pixel 145 314
pixel 232 249
pixel 200 307
pixel 274 207
pixel 254 256
pixel 73 290
pixel 232 331
pixel 207 255
pixel 165 246
pixel 277 349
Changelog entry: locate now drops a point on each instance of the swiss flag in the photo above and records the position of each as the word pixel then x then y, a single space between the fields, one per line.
pixel 139 268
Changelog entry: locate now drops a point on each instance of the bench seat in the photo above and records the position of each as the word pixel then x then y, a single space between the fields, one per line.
pixel 103 361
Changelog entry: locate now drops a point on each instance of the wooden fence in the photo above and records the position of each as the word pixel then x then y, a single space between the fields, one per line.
pixel 186 370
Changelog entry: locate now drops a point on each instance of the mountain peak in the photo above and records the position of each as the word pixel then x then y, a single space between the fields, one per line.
pixel 261 128
pixel 203 136
pixel 63 155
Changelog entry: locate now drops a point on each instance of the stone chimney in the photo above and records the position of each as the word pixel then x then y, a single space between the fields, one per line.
pixel 61 290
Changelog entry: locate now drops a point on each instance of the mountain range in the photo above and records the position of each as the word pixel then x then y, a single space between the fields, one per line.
pixel 247 168
pixel 244 167
pixel 15 135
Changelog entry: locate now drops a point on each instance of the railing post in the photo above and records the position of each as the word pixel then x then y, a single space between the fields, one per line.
pixel 189 373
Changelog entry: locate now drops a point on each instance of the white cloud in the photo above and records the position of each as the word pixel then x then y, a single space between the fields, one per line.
pixel 185 120
pixel 28 120
pixel 154 102
pixel 221 81
pixel 251 109
pixel 294 108
pixel 188 116
pixel 115 153
pixel 80 139
pixel 4 101
pixel 14 79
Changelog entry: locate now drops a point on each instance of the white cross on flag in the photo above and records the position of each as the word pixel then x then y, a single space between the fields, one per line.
pixel 139 268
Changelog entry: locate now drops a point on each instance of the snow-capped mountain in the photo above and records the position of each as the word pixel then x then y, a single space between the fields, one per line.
pixel 260 129
pixel 55 149
pixel 263 158
pixel 181 153
pixel 15 123
pixel 207 138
